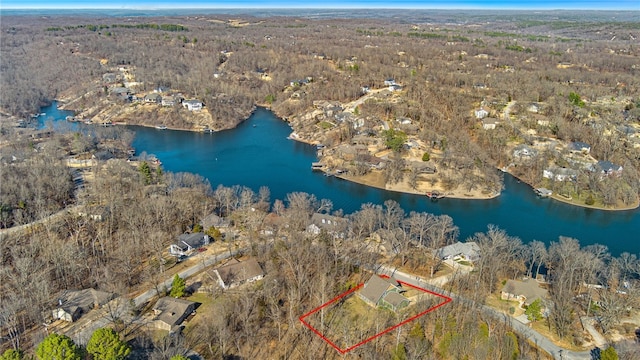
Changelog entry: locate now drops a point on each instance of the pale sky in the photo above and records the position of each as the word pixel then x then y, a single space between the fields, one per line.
pixel 413 4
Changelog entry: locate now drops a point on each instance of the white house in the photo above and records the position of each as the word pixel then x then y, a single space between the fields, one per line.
pixel 192 105
pixel 469 251
pixel 489 123
pixel 481 113
pixel 560 174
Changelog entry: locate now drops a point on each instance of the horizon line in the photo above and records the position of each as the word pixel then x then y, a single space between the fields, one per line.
pixel 347 7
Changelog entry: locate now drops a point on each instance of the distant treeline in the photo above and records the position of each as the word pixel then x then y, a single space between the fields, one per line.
pixel 91 27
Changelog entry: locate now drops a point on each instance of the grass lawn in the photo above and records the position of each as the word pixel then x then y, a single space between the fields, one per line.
pixel 351 321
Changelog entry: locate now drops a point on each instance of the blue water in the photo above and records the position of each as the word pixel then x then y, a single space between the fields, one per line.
pixel 257 153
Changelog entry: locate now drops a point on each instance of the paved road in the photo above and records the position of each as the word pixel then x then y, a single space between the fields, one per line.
pixel 81 330
pixel 52 217
pixel 203 262
pixel 535 337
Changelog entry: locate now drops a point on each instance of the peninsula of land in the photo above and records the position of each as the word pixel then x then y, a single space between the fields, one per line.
pixel 426 108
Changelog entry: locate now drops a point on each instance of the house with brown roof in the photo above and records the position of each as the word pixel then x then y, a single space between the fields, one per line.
pixel 72 304
pixel 383 292
pixel 236 273
pixel 171 312
pixel 524 292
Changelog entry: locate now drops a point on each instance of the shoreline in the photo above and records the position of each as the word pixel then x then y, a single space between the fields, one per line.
pixel 474 195
pixel 558 197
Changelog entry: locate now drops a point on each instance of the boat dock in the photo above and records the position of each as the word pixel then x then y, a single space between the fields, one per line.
pixel 543 192
pixel 434 195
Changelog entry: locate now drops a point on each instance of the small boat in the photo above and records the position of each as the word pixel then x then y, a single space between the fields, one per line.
pixel 254 125
pixel 42 114
pixel 207 131
pixel 161 127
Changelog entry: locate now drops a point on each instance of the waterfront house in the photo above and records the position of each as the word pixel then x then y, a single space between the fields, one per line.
pixel 525 292
pixel 161 89
pixel 580 147
pixel 153 98
pixel 560 174
pixel 523 151
pixel 469 251
pixel 383 292
pixel 71 305
pixel 168 101
pixel 607 168
pixel 192 105
pixel 171 313
pixel 236 273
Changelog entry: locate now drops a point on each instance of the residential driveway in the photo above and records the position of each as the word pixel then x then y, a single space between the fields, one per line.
pixel 120 308
pixel 588 323
pixel 204 262
pixel 535 337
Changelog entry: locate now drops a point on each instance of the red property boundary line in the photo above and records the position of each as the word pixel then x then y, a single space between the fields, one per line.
pixel 344 351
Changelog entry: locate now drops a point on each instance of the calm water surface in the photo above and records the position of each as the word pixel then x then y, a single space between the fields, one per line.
pixel 257 153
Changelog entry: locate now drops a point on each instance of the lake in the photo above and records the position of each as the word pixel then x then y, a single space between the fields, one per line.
pixel 257 153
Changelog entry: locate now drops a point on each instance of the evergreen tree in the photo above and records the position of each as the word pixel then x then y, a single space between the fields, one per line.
pixel 58 347
pixel 11 354
pixel 609 354
pixel 105 344
pixel 178 287
pixel 145 171
pixel 534 311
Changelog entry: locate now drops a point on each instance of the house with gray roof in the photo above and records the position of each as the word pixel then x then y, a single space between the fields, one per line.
pixel 171 313
pixel 72 304
pixel 236 273
pixel 153 98
pixel 525 291
pixel 383 292
pixel 579 146
pixel 469 251
pixel 333 225
pixel 213 220
pixel 607 168
pixel 186 243
pixel 524 151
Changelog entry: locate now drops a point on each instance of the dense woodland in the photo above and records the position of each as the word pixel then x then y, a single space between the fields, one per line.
pixel 584 75
pixel 142 209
